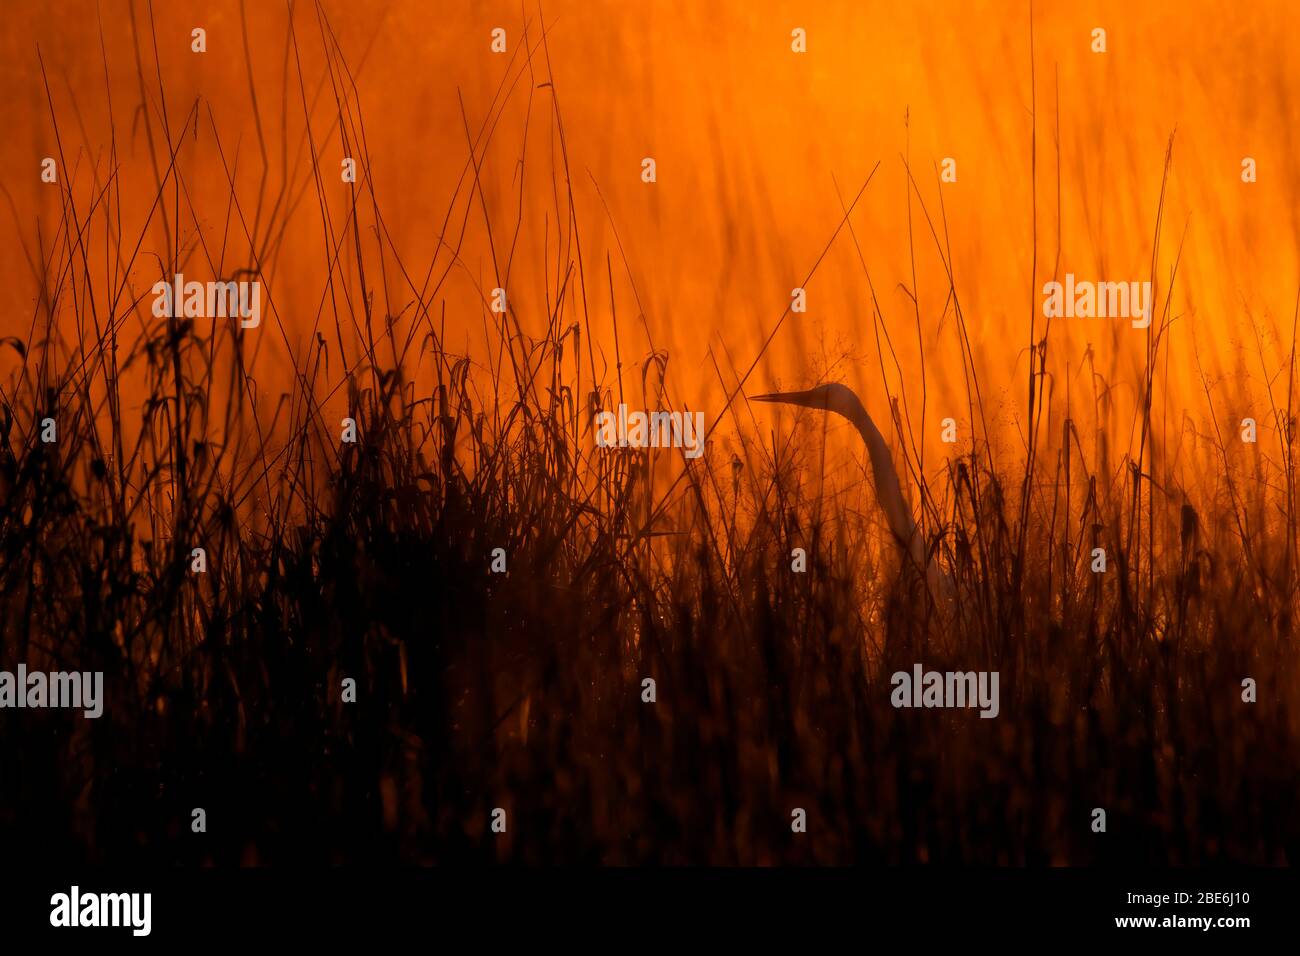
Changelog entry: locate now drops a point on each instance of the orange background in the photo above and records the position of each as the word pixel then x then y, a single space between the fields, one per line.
pixel 752 143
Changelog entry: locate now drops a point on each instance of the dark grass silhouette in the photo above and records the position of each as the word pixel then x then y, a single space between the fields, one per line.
pixel 523 690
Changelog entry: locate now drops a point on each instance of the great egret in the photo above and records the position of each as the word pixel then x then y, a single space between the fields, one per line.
pixel 842 400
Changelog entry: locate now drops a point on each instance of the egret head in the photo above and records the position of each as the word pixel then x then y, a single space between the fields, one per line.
pixel 832 397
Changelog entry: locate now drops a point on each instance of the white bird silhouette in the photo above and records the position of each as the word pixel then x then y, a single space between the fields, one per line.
pixel 842 400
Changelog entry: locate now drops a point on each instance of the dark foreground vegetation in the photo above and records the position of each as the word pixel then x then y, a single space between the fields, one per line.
pixel 523 690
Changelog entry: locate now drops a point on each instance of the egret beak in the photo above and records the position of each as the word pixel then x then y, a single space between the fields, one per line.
pixel 808 399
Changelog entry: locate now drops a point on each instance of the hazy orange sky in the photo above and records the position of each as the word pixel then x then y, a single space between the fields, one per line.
pixel 754 146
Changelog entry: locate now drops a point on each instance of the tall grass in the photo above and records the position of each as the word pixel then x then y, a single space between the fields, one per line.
pixel 523 690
